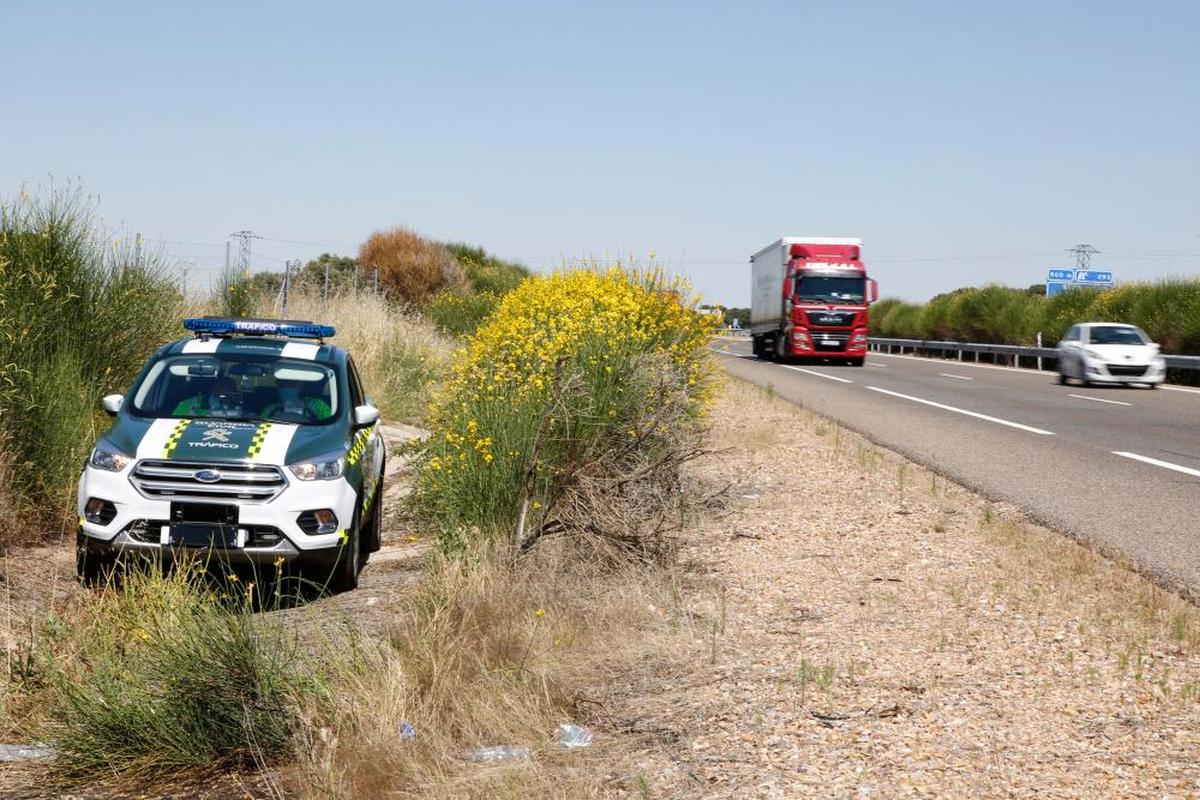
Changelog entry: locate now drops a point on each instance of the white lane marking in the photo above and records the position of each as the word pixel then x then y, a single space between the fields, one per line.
pixel 1100 400
pixel 1157 463
pixel 956 377
pixel 881 366
pixel 1178 389
pixel 818 374
pixel 956 410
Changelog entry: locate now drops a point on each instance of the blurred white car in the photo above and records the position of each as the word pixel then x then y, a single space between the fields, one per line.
pixel 1109 352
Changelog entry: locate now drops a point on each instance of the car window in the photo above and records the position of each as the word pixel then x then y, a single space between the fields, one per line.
pixel 238 386
pixel 1072 334
pixel 1115 334
pixel 357 395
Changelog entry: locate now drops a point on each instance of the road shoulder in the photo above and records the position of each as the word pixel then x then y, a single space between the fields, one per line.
pixel 870 627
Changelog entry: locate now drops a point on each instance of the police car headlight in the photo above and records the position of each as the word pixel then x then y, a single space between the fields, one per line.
pixel 108 458
pixel 322 468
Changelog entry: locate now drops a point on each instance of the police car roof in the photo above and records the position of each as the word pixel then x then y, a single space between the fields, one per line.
pixel 257 345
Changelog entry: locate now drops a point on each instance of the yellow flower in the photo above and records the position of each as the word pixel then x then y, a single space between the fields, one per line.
pixel 541 612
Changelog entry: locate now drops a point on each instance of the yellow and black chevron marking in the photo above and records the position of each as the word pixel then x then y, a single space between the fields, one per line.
pixel 256 441
pixel 344 536
pixel 360 444
pixel 370 496
pixel 176 435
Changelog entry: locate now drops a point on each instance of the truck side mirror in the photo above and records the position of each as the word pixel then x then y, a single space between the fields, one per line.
pixel 872 290
pixel 112 404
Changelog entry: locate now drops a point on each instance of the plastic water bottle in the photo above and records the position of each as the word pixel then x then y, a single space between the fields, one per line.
pixel 503 752
pixel 571 736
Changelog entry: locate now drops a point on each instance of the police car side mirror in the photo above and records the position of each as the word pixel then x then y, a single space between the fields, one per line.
pixel 365 416
pixel 112 403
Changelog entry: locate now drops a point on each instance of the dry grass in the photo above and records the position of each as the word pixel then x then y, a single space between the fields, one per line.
pixel 410 268
pixel 490 654
pixel 398 355
pixel 890 632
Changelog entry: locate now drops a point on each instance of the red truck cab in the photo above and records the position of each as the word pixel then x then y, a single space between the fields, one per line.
pixel 810 297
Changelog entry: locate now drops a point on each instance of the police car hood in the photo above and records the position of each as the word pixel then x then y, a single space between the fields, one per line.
pixel 217 440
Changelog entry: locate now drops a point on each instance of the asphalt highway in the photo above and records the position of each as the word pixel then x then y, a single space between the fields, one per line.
pixel 1115 466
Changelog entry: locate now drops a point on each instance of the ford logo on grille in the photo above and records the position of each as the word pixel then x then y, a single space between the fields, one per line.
pixel 207 476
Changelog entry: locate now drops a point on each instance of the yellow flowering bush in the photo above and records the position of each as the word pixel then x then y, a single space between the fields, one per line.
pixel 565 370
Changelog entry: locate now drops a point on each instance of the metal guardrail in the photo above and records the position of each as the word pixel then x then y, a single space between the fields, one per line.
pixel 1037 353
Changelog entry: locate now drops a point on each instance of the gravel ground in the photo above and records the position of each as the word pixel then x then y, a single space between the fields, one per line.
pixel 872 630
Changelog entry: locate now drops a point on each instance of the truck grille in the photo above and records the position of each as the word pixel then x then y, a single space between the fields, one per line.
pixel 1126 371
pixel 829 340
pixel 255 483
pixel 830 317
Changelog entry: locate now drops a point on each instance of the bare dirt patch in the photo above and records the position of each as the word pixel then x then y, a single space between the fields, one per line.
pixel 874 630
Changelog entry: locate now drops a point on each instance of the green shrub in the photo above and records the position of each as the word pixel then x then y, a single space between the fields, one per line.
pixel 458 314
pixel 1169 311
pixel 79 314
pixel 237 294
pixel 487 273
pixel 163 674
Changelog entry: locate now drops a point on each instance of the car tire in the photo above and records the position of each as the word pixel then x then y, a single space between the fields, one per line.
pixel 349 562
pixel 373 534
pixel 855 362
pixel 91 568
pixel 1152 385
pixel 1062 378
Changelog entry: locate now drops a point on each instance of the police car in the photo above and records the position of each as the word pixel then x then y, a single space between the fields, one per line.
pixel 251 442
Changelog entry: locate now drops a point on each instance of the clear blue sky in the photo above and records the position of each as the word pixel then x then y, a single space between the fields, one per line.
pixel 985 138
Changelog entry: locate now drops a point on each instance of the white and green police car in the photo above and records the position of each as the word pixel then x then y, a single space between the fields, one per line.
pixel 251 442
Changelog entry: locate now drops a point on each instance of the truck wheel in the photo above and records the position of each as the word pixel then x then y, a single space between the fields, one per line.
pixel 349 562
pixel 779 349
pixel 756 346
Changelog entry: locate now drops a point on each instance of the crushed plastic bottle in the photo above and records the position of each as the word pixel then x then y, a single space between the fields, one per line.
pixel 571 736
pixel 25 752
pixel 503 752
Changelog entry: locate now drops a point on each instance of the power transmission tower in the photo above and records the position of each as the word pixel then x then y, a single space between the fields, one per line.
pixel 1083 255
pixel 247 237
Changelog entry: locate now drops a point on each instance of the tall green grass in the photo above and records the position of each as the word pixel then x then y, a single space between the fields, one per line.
pixel 1169 311
pixel 79 313
pixel 487 273
pixel 167 671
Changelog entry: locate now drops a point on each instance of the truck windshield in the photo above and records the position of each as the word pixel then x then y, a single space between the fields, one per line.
pixel 826 289
pixel 237 386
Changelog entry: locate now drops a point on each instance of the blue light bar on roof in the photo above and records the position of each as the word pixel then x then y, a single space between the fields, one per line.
pixel 258 327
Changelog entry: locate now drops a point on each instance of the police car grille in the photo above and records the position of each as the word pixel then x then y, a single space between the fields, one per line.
pixel 177 479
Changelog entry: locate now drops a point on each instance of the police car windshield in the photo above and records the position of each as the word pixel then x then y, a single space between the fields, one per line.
pixel 238 386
